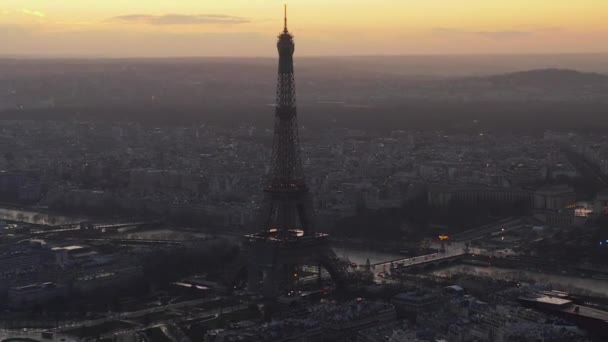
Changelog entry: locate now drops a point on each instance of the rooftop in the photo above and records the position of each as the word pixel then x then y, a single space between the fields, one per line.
pixel 68 248
pixel 549 300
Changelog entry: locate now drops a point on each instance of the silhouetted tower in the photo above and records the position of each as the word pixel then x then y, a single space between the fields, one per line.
pixel 285 241
pixel 288 205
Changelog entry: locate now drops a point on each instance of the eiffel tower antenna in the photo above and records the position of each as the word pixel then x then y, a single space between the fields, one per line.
pixel 285 18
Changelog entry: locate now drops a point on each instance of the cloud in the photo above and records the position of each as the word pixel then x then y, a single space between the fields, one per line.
pixel 499 35
pixel 181 19
pixel 504 34
pixel 33 13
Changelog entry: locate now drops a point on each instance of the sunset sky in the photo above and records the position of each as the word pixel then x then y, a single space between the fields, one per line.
pixel 154 28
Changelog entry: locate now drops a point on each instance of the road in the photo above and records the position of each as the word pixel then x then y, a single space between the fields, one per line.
pixel 212 314
pixel 135 314
pixel 13 335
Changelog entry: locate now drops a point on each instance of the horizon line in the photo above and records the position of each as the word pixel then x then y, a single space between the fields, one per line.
pixel 108 57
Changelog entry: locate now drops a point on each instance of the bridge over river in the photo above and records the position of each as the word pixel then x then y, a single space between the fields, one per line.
pixel 434 258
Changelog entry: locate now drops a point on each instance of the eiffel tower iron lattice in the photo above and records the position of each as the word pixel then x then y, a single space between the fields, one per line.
pixel 286 239
pixel 288 205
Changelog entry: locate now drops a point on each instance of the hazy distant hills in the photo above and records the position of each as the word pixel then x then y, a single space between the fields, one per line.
pixel 548 78
pixel 403 92
pixel 536 85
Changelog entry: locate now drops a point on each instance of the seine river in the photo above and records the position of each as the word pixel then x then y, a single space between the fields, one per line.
pixel 360 257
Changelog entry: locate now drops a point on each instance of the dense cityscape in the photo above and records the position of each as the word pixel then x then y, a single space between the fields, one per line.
pixel 123 229
pixel 93 219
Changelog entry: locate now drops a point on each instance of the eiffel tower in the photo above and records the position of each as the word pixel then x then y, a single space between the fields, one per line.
pixel 286 240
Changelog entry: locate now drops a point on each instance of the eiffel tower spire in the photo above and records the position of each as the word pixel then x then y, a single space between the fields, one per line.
pixel 287 194
pixel 285 25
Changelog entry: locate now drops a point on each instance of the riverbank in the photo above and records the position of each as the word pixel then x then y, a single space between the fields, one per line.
pixel 582 286
pixel 38 216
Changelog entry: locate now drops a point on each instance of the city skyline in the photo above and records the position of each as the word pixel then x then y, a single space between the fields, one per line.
pixel 325 28
pixel 385 204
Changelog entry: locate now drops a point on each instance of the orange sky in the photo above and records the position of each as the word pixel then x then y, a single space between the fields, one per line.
pixel 130 28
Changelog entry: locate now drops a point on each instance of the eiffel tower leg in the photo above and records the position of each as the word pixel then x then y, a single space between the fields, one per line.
pixel 254 278
pixel 319 276
pixel 270 286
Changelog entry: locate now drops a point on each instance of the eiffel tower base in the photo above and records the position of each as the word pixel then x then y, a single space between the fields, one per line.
pixel 274 265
